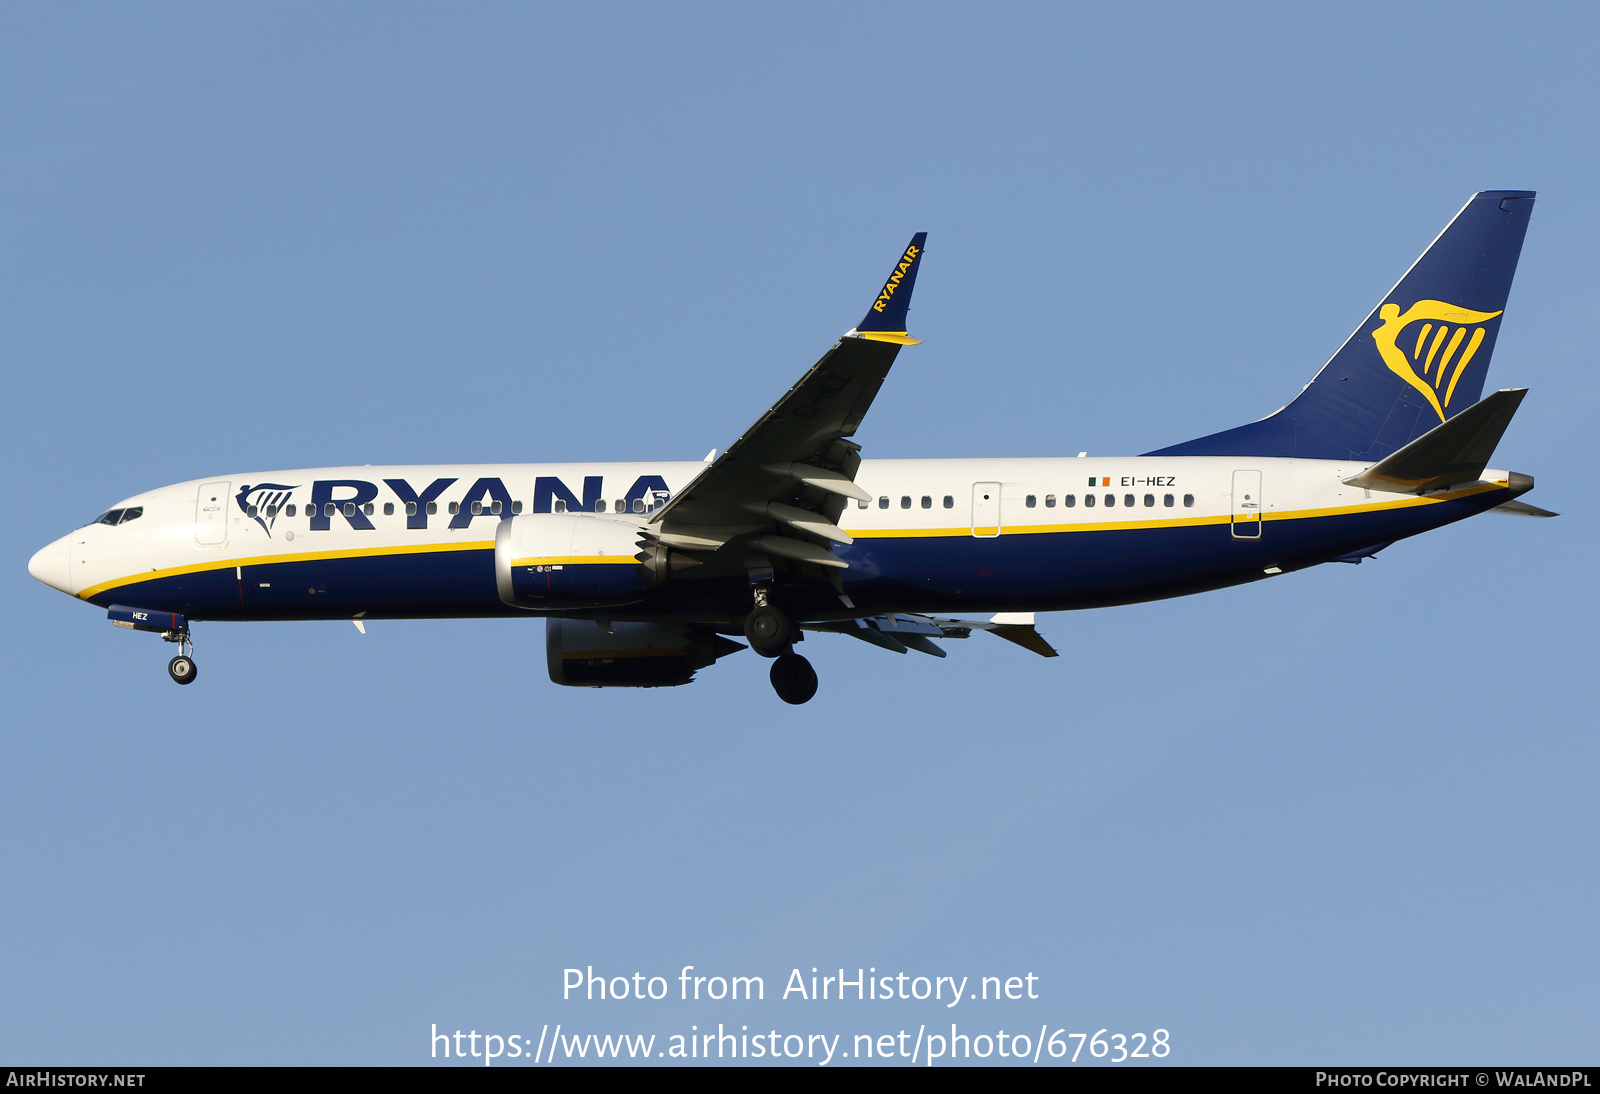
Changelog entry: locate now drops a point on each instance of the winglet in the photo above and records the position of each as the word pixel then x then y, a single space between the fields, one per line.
pixel 886 319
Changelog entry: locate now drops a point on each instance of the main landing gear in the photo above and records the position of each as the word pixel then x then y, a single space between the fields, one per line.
pixel 182 667
pixel 771 634
pixel 793 678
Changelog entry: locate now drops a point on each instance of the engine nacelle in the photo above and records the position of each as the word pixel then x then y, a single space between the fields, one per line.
pixel 568 560
pixel 629 655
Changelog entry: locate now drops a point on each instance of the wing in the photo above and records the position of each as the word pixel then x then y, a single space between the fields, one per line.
pixel 898 631
pixel 779 489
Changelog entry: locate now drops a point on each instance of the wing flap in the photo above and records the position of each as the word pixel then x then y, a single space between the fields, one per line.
pixel 898 631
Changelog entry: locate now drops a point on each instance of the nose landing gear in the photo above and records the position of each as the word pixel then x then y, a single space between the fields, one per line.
pixel 182 667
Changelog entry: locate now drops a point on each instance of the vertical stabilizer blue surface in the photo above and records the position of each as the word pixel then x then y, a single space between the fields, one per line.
pixel 1417 360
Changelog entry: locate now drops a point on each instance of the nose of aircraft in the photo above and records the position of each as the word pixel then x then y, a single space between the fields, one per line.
pixel 53 565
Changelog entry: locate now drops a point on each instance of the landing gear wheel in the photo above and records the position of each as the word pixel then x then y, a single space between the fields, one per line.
pixel 767 628
pixel 794 679
pixel 182 670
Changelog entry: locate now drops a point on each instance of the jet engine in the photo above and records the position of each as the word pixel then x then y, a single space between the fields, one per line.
pixel 568 560
pixel 582 654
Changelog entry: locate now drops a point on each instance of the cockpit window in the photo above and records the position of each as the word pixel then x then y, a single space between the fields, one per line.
pixel 112 517
pixel 120 516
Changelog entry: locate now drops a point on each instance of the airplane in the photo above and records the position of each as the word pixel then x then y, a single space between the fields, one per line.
pixel 646 573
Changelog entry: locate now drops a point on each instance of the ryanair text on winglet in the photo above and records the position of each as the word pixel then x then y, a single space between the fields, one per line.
pixel 894 279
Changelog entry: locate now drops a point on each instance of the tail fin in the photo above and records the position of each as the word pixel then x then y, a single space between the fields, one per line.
pixel 1416 361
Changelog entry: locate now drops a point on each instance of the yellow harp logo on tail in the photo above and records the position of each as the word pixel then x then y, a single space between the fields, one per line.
pixel 1434 364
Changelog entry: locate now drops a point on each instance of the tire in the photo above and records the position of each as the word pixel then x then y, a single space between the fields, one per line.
pixel 182 670
pixel 794 679
pixel 767 630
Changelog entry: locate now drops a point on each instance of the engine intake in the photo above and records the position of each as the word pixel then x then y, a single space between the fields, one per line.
pixel 630 655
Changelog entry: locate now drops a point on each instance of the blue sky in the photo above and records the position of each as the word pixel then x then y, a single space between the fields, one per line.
pixel 1342 817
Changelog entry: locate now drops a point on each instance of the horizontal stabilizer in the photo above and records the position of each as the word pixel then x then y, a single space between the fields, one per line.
pixel 1450 454
pixel 1523 509
pixel 1023 634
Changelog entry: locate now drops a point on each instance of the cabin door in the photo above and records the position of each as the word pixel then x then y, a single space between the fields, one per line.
pixel 211 515
pixel 986 509
pixel 1246 507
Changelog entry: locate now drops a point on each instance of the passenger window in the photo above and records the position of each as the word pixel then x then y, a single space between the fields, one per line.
pixel 349 508
pixel 367 509
pixel 433 508
pixel 1149 501
pixel 1049 501
pixel 251 512
pixel 1031 502
pixel 1111 499
pixel 477 508
pixel 1166 499
pixel 883 503
pixel 1188 501
pixel 560 506
pixel 1088 499
pixel 328 508
pixel 1069 500
pixel 1128 500
pixel 388 508
pixel 600 505
pixel 495 508
pixel 288 510
pixel 516 508
pixel 927 501
pixel 411 508
pixel 861 505
pixel 949 501
pixel 619 506
pixel 272 511
pixel 905 501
